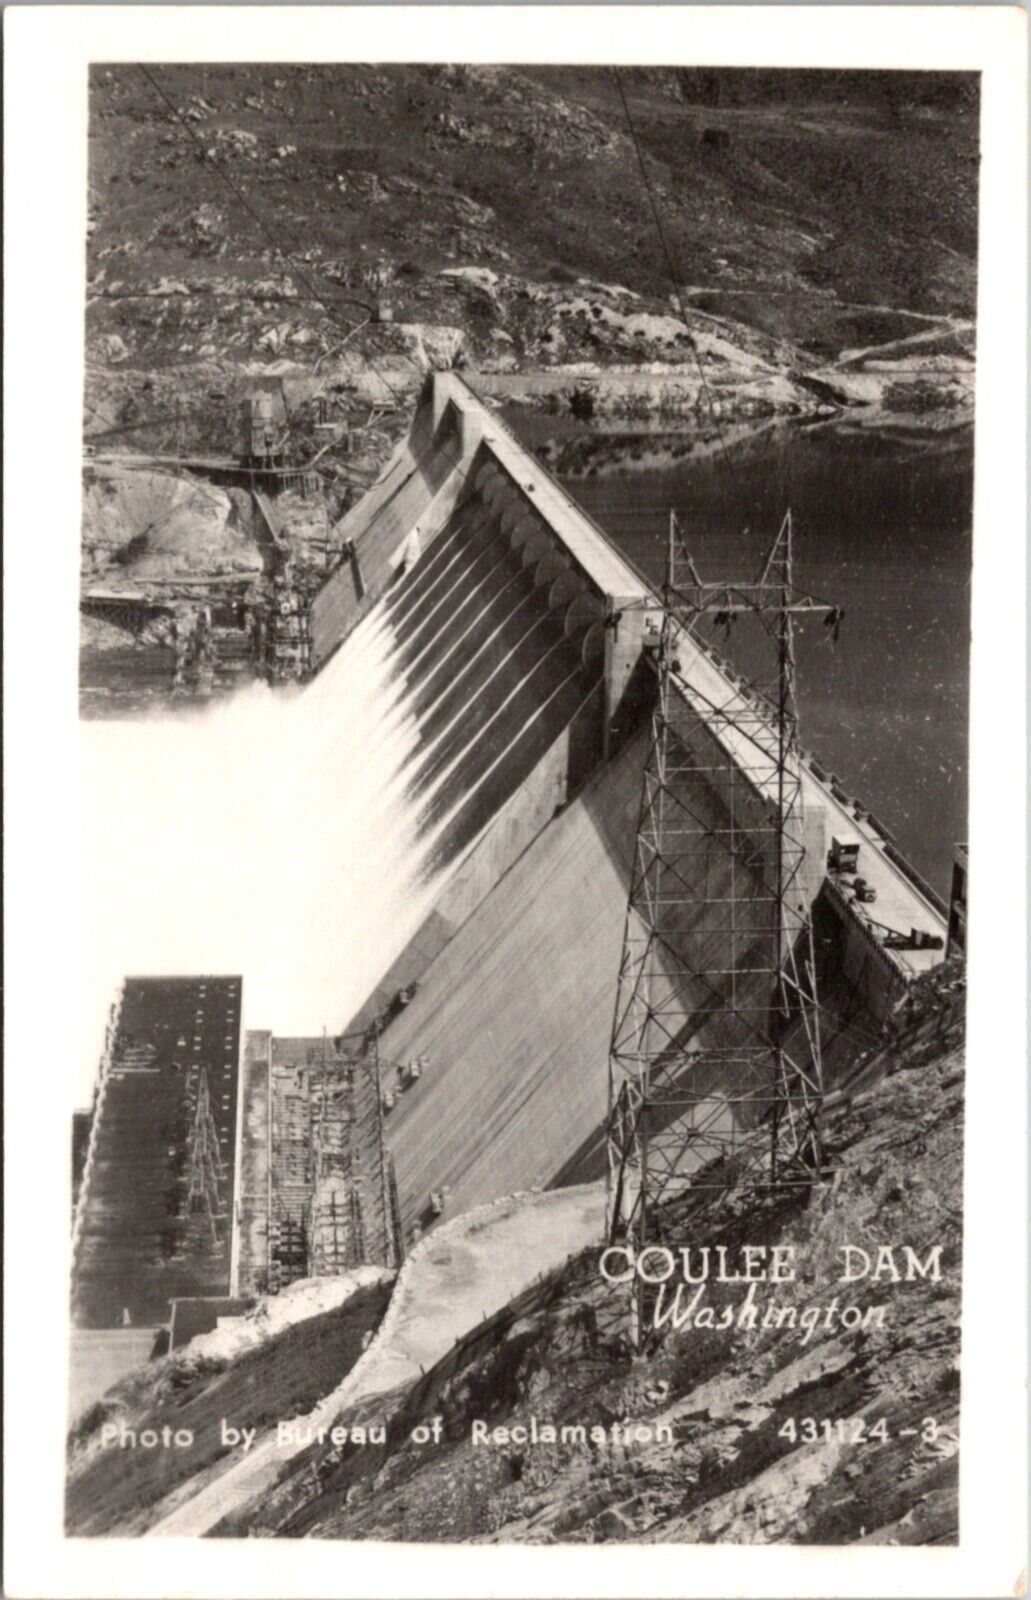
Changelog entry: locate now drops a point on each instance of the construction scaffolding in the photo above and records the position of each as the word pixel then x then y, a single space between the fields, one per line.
pixel 336 1235
pixel 715 1030
pixel 332 1205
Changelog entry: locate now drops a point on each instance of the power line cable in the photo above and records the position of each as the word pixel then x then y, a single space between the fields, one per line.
pixel 277 244
pixel 100 417
pixel 216 165
pixel 667 252
pixel 314 294
pixel 197 491
pixel 156 421
pixel 217 294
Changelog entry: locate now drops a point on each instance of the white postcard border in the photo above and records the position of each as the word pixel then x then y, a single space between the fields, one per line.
pixel 47 51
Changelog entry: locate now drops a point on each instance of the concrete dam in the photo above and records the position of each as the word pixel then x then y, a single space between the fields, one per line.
pixel 519 636
pixel 476 730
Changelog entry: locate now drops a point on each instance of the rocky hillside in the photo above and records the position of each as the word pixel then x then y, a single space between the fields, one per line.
pixel 805 1430
pixel 273 1363
pixel 499 215
pixel 775 1435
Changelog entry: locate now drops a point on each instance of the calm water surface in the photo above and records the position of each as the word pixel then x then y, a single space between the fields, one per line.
pixel 882 528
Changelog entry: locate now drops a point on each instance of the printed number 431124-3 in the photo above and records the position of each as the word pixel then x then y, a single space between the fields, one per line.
pixel 852 1430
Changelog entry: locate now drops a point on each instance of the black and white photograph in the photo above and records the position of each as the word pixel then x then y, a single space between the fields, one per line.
pixel 520 698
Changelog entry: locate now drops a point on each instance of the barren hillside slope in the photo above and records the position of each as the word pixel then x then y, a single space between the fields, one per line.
pixel 809 1431
pixel 778 1436
pixel 241 214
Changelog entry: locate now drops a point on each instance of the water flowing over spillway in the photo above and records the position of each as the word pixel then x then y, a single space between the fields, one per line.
pixel 495 667
pixel 437 832
pixel 299 837
pixel 270 836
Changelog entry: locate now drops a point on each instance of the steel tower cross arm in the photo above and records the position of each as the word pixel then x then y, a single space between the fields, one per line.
pixel 754 598
pixel 766 594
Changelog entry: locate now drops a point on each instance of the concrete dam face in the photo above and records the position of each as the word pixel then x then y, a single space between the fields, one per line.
pixel 500 646
pixel 513 635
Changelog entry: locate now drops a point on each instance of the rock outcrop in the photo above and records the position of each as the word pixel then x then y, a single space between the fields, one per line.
pixel 775 1435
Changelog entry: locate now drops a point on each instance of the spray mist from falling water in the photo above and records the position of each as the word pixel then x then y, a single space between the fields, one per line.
pixel 269 836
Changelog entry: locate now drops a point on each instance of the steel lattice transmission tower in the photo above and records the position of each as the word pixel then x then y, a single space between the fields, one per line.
pixel 715 1031
pixel 204 1163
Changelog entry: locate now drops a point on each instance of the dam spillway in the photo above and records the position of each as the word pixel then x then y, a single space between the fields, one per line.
pixel 517 638
pixel 500 647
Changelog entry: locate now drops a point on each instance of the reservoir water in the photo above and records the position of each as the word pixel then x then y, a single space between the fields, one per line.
pixel 882 528
pixel 298 836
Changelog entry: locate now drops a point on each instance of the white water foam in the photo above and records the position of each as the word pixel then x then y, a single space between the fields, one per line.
pixel 269 836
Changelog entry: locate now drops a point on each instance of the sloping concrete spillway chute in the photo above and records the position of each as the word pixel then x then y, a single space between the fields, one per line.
pixel 518 637
pixel 498 625
pixel 514 1015
pixel 500 647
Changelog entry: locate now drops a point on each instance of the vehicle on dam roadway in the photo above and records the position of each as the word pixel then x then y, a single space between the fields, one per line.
pixel 843 855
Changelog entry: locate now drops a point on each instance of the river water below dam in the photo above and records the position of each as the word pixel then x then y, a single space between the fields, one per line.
pixel 883 528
